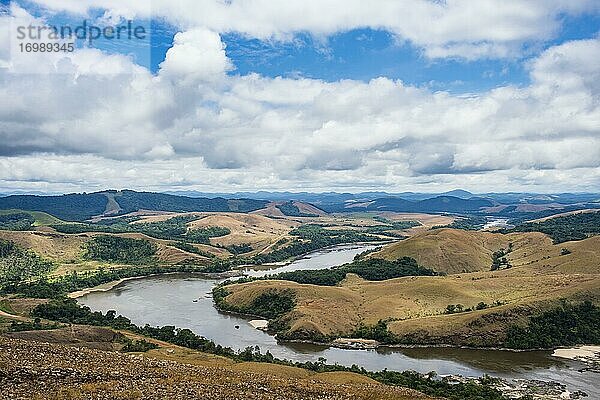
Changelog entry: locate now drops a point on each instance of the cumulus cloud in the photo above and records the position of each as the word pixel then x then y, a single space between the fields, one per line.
pixel 452 28
pixel 194 126
pixel 196 55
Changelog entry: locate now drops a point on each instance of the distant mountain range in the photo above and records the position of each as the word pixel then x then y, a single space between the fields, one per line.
pixel 80 207
pixel 448 204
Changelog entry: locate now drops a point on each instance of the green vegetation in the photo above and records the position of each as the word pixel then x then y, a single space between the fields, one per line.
pixel 311 238
pixel 192 249
pixel 377 332
pixel 70 207
pixel 238 249
pixel 115 249
pixel 68 311
pixel 372 269
pixel 439 388
pixel 499 260
pixel 16 222
pixel 133 201
pixel 365 253
pixel 396 225
pixel 81 207
pixel 567 325
pixel 459 308
pixel 137 346
pixel 37 325
pixel 292 210
pixel 44 288
pixel 172 229
pixel 18 265
pixel 565 229
pixel 40 218
pixel 470 223
pixel 270 305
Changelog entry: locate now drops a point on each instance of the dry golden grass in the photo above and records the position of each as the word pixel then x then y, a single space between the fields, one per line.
pixel 592 210
pixel 340 310
pixel 270 210
pixel 258 231
pixel 309 209
pixel 456 251
pixel 55 246
pixel 427 221
pixel 448 250
pixel 540 276
pixel 67 250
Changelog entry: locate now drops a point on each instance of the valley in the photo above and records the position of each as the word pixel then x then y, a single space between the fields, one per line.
pixel 317 273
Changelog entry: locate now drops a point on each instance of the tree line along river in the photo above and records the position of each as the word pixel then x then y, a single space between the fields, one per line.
pixel 184 300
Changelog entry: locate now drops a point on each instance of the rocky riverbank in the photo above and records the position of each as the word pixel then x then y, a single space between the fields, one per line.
pixel 525 388
pixel 590 355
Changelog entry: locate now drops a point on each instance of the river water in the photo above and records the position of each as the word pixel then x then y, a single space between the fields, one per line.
pixel 184 300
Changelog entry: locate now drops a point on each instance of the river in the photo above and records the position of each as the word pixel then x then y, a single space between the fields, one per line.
pixel 184 300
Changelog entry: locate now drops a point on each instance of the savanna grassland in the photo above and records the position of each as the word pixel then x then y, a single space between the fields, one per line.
pixel 538 274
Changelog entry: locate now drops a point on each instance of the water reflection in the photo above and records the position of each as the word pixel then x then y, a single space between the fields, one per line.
pixel 182 300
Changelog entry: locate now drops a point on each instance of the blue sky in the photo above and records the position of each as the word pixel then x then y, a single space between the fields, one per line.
pixel 395 97
pixel 357 54
pixel 365 54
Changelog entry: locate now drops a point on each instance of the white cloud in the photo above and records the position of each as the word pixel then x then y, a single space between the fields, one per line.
pixel 194 126
pixel 196 55
pixel 451 28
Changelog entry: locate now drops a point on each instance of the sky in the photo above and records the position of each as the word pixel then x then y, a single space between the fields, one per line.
pixel 329 95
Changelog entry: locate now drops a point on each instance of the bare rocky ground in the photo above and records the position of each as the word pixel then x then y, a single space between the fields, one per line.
pixel 35 370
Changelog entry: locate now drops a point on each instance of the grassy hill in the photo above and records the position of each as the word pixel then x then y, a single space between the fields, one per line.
pixel 456 251
pixel 415 307
pixel 448 250
pixel 40 218
pixel 417 304
pixel 398 204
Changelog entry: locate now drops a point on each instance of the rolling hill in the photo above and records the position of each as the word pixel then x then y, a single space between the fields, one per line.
pixel 81 207
pixel 541 275
pixel 398 204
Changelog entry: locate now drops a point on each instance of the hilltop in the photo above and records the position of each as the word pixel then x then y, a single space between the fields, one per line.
pixel 84 206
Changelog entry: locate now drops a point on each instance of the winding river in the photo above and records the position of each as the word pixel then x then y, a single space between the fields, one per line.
pixel 184 301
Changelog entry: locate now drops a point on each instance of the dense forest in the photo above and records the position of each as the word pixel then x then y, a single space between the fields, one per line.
pixel 175 228
pixel 372 269
pixel 133 201
pixel 395 225
pixel 567 325
pixel 469 223
pixel 70 207
pixel 16 221
pixel 68 311
pixel 269 305
pixel 190 248
pixel 18 265
pixel 44 288
pixel 292 210
pixel 116 249
pixel 566 228
pixel 81 207
pixel 239 249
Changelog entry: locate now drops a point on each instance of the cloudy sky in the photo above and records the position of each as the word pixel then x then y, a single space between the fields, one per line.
pixel 305 95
